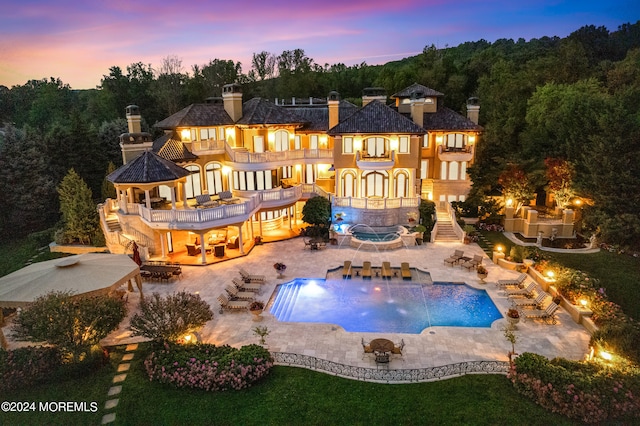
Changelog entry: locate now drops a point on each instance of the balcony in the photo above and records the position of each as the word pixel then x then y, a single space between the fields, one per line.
pixel 455 154
pixel 366 162
pixel 376 203
pixel 274 198
pixel 207 147
pixel 242 156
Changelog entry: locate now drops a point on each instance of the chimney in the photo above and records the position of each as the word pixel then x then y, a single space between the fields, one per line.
pixel 473 109
pixel 333 101
pixel 232 99
pixel 133 119
pixel 374 94
pixel 417 108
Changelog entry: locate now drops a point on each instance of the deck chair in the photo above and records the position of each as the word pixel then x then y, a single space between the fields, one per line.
pixel 205 200
pixel 473 263
pixel 386 270
pixel 397 349
pixel 346 269
pixel 227 304
pixel 518 282
pixel 405 270
pixel 522 292
pixel 531 303
pixel 451 260
pixel 366 269
pixel 548 314
pixel 242 286
pixel 247 277
pixel 366 349
pixel 227 198
pixel 236 294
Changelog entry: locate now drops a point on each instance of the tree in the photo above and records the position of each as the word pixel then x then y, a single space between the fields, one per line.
pixel 264 64
pixel 560 174
pixel 167 319
pixel 516 186
pixel 317 213
pixel 81 221
pixel 108 189
pixel 72 323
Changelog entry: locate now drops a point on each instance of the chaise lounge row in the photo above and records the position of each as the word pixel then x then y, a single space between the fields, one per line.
pixel 385 270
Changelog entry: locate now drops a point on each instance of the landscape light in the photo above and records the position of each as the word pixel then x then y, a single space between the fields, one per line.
pixel 606 355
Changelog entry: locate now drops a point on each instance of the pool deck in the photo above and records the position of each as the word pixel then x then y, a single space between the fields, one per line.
pixel 435 346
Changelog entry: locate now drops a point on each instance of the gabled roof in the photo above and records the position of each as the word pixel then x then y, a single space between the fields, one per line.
pixel 197 115
pixel 261 111
pixel 317 117
pixel 148 168
pixel 174 150
pixel 447 119
pixel 376 117
pixel 407 92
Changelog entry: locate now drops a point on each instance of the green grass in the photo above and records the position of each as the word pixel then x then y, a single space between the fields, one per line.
pixel 15 255
pixel 293 396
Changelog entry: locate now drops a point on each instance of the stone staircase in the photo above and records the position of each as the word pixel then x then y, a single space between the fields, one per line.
pixel 113 223
pixel 445 228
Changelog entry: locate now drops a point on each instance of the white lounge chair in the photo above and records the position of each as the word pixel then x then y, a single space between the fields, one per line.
pixel 547 314
pixel 227 304
pixel 242 286
pixel 247 277
pixel 236 294
pixel 531 303
pixel 522 292
pixel 518 282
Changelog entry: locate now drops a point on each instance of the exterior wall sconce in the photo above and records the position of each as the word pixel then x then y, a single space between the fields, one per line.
pixel 439 140
pixel 185 135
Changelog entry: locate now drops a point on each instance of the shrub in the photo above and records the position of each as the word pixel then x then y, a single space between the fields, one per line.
pixel 167 319
pixel 26 366
pixel 589 392
pixel 208 367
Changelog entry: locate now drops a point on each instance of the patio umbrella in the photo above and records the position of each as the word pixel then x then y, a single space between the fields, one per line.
pixel 136 254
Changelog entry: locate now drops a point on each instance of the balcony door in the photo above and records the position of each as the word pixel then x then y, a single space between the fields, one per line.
pixel 214 178
pixel 375 147
pixel 375 184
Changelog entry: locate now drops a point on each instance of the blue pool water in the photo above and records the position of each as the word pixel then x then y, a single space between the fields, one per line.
pixel 369 306
pixel 369 236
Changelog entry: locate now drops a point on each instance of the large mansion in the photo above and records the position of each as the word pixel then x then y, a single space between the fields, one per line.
pixel 227 171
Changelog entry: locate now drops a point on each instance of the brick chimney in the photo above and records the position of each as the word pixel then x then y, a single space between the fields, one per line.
pixel 333 101
pixel 232 99
pixel 473 109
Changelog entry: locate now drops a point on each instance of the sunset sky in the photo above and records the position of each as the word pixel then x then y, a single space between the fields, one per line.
pixel 78 41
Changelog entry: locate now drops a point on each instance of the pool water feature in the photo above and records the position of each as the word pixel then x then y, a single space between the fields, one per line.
pixel 379 306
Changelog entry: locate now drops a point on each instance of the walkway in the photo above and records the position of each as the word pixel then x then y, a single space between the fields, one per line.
pixel 435 346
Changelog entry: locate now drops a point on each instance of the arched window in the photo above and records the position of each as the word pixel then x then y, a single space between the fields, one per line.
pixel 348 184
pixel 281 140
pixel 375 184
pixel 376 147
pixel 443 170
pixel 402 184
pixel 213 172
pixel 463 170
pixel 192 186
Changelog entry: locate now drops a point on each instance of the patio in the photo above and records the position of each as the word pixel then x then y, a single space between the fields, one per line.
pixel 435 346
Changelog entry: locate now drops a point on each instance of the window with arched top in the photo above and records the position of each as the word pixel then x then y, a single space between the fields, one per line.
pixel 348 184
pixel 193 186
pixel 375 184
pixel 453 170
pixel 401 187
pixel 213 173
pixel 281 139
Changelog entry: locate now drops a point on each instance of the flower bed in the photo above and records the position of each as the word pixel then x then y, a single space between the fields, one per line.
pixel 26 366
pixel 589 392
pixel 208 367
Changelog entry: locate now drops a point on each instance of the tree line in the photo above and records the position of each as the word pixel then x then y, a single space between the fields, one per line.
pixel 571 99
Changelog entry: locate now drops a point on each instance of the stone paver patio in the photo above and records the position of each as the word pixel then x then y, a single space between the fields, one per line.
pixel 435 346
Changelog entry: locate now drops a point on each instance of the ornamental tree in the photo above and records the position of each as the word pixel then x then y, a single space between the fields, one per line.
pixel 167 319
pixel 73 323
pixel 516 185
pixel 560 174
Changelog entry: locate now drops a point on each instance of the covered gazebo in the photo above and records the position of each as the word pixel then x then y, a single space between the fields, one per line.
pixel 84 275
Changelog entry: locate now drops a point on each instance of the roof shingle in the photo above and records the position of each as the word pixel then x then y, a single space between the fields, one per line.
pixel 197 115
pixel 147 168
pixel 376 117
pixel 261 111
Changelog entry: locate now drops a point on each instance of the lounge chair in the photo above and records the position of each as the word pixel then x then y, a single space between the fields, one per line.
pixel 473 263
pixel 205 201
pixel 247 277
pixel 531 303
pixel 236 294
pixel 366 349
pixel 386 270
pixel 192 250
pixel 397 349
pixel 346 269
pixel 366 269
pixel 225 303
pixel 453 259
pixel 405 270
pixel 547 314
pixel 227 198
pixel 522 292
pixel 518 282
pixel 242 286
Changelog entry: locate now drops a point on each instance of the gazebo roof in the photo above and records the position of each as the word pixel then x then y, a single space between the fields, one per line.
pixel 147 168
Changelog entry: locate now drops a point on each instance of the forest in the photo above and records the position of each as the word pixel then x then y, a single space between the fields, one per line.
pixel 572 101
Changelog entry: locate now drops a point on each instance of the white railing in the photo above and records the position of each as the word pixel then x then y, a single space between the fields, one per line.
pixel 281 194
pixel 376 203
pixel 208 145
pixel 312 188
pixel 242 156
pixel 454 223
pixel 197 215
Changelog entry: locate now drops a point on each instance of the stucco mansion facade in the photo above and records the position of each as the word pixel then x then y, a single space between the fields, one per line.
pixel 227 171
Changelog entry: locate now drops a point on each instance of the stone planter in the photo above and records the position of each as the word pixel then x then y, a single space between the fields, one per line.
pixel 256 314
pixel 512 323
pixel 482 277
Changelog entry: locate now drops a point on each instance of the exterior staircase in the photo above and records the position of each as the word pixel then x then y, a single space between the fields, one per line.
pixel 445 228
pixel 113 223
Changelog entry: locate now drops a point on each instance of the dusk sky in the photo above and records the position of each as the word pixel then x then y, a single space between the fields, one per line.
pixel 78 41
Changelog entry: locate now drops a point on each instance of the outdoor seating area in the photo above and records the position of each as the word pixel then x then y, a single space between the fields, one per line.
pixel 454 258
pixel 160 271
pixel 547 314
pixel 227 304
pixel 251 278
pixel 382 350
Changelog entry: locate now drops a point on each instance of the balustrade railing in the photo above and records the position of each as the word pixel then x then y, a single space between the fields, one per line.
pixel 242 156
pixel 376 203
pixel 405 375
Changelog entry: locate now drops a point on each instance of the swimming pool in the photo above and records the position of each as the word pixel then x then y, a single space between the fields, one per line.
pixel 370 306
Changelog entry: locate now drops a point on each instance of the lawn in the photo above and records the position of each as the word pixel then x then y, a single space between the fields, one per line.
pixel 292 396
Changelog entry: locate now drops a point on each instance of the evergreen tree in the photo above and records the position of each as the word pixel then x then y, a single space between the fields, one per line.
pixel 81 221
